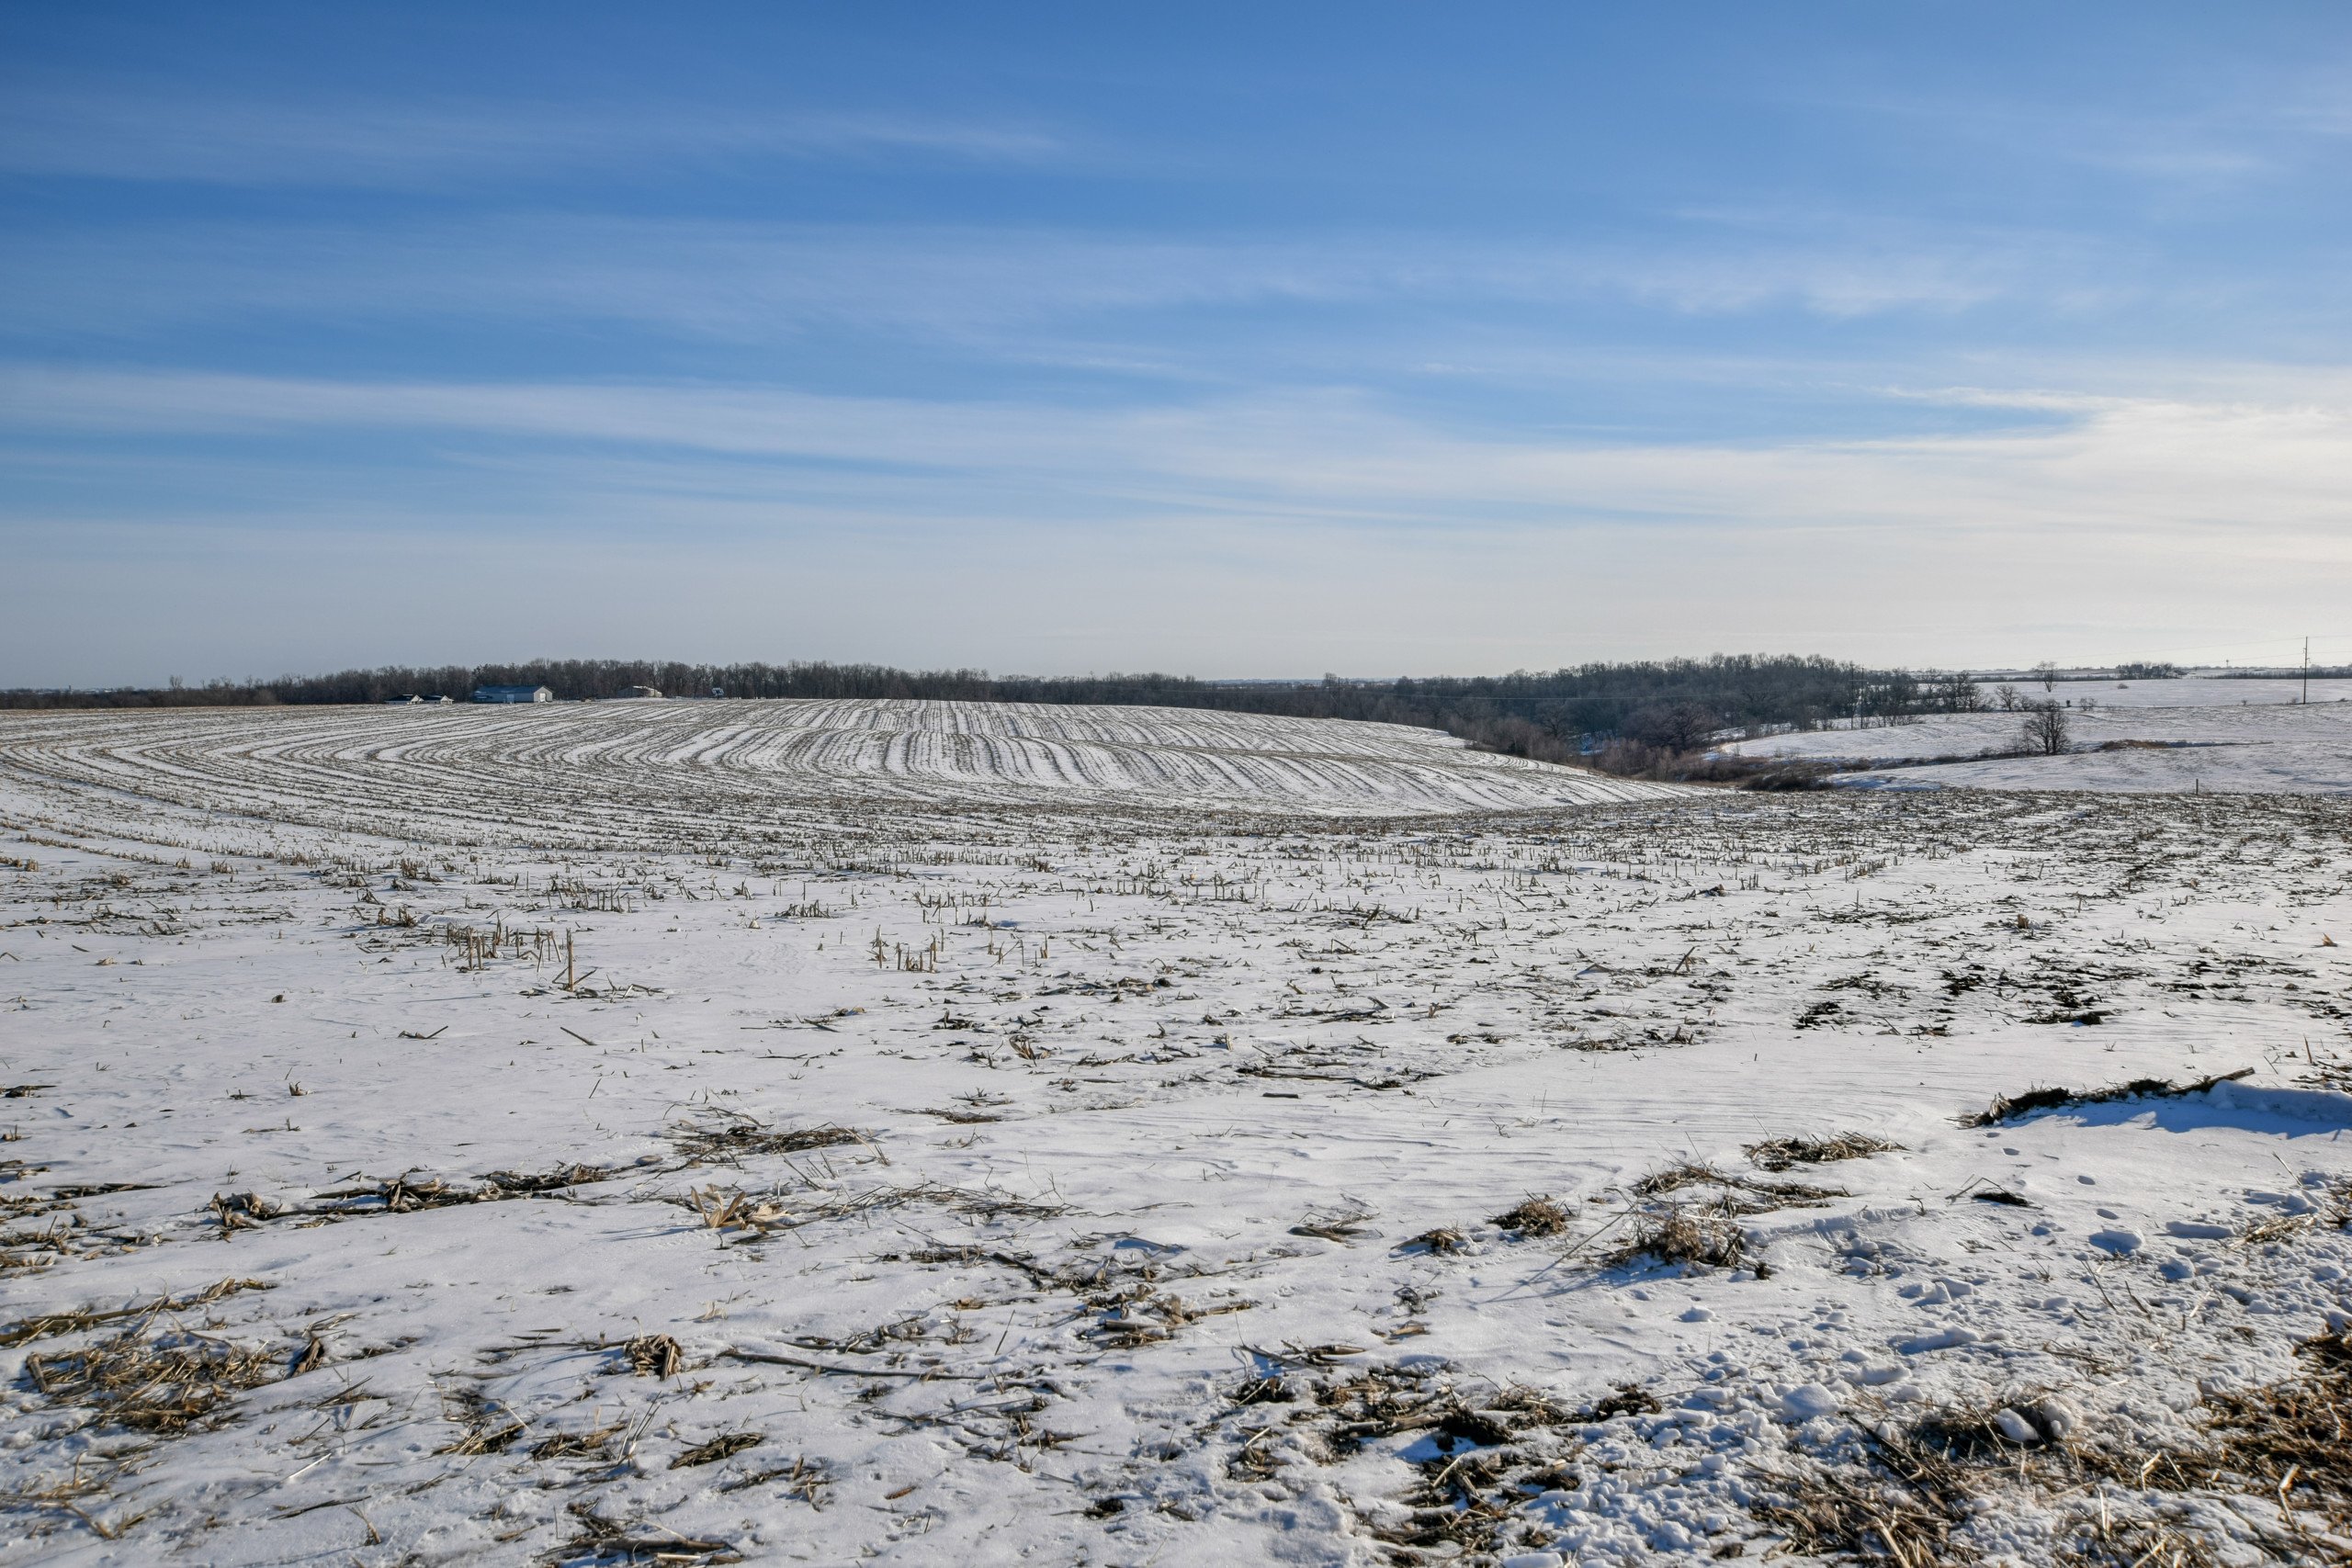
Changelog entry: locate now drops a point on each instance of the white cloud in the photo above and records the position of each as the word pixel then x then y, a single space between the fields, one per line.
pixel 115 133
pixel 1266 535
pixel 2171 467
pixel 1024 294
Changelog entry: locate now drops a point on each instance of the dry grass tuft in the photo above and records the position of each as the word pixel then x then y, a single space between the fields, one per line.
pixel 243 1211
pixel 1536 1217
pixel 654 1356
pixel 724 1446
pixel 1375 1402
pixel 604 1543
pixel 408 1193
pixel 1483 1460
pixel 1683 1235
pixel 2277 1228
pixel 1914 1489
pixel 164 1385
pixel 2281 1451
pixel 1274 1390
pixel 1439 1241
pixel 593 1444
pixel 519 1184
pixel 1864 1513
pixel 1625 1399
pixel 1673 1177
pixel 1342 1226
pixel 1779 1154
pixel 803 1478
pixel 42 1328
pixel 1965 1433
pixel 2102 1540
pixel 1760 1197
pixel 726 1209
pixel 718 1136
pixel 960 1118
pixel 2296 1436
pixel 2009 1108
pixel 1532 1405
pixel 488 1426
pixel 401 1195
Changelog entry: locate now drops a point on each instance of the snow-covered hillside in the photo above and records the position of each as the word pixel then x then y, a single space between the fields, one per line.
pixel 623 774
pixel 2184 692
pixel 580 1137
pixel 2234 748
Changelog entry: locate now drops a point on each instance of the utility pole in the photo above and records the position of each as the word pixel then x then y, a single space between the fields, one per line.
pixel 2307 672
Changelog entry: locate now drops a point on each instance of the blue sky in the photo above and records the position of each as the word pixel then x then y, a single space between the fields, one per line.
pixel 1219 339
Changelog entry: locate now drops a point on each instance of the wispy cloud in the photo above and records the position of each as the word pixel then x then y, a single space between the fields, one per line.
pixel 2224 137
pixel 111 133
pixel 1240 536
pixel 752 282
pixel 2178 469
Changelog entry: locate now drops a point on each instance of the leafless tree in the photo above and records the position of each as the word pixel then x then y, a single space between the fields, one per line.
pixel 2045 727
pixel 1676 726
pixel 2047 674
pixel 2007 695
pixel 1958 693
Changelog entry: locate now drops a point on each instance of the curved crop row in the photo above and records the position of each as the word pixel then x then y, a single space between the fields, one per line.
pixel 667 772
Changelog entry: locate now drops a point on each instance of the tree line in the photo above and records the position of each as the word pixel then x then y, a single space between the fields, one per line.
pixel 1644 717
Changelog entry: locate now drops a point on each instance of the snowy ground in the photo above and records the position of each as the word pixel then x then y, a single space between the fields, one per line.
pixel 622 771
pixel 558 1137
pixel 2273 748
pixel 2186 692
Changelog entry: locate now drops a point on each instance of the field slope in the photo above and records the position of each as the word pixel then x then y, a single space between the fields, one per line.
pixel 624 772
pixel 712 1133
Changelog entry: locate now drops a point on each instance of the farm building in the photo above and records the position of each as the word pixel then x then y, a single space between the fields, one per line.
pixel 512 694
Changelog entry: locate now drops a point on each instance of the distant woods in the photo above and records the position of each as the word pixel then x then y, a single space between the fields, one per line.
pixel 1651 718
pixel 1671 695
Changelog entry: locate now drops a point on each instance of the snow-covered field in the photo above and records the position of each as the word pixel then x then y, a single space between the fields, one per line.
pixel 614 773
pixel 2267 748
pixel 2185 692
pixel 682 1134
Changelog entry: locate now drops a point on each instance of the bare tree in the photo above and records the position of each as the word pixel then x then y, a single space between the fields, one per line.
pixel 1958 693
pixel 1676 726
pixel 2045 727
pixel 2047 674
pixel 2007 696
